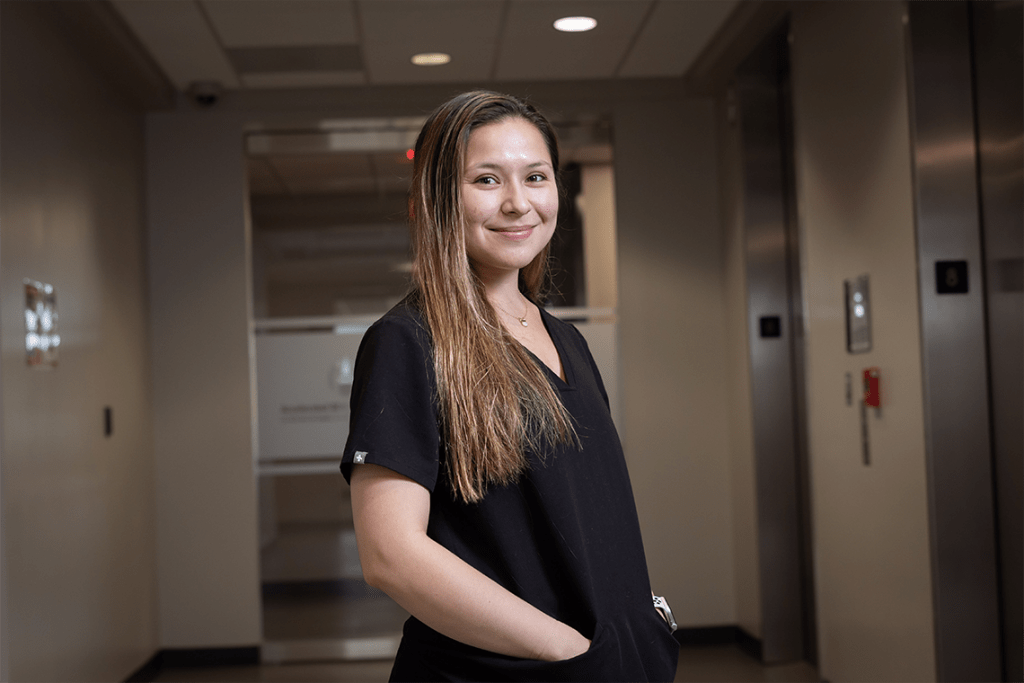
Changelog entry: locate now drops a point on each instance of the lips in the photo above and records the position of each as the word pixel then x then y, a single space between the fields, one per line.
pixel 515 232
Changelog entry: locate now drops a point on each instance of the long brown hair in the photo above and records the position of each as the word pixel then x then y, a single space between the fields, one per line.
pixel 495 401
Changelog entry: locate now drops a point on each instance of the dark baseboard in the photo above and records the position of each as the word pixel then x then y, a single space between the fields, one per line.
pixel 176 658
pixel 248 656
pixel 706 635
pixel 210 656
pixel 749 644
pixel 147 672
pixel 720 635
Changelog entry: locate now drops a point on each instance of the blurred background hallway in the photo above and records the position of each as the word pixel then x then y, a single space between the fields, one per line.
pixel 792 237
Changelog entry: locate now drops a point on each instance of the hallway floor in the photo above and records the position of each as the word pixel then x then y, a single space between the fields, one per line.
pixel 710 663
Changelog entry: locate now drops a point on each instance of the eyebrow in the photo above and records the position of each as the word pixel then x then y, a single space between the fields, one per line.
pixel 535 164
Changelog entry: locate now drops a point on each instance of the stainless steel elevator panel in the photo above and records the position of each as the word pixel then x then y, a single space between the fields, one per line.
pixel 963 539
pixel 776 353
pixel 998 28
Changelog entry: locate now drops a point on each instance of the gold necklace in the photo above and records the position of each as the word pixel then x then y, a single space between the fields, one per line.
pixel 526 311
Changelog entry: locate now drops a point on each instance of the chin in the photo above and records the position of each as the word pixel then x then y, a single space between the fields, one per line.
pixel 499 265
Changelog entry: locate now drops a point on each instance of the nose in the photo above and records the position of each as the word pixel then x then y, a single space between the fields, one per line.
pixel 515 201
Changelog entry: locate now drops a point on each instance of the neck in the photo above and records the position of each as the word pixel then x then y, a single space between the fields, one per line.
pixel 503 289
pixel 507 301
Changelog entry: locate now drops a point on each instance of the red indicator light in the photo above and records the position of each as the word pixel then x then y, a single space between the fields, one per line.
pixel 409 154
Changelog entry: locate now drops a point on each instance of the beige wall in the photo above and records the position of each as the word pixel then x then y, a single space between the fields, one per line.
pixel 856 214
pixel 77 506
pixel 600 254
pixel 203 416
pixel 672 351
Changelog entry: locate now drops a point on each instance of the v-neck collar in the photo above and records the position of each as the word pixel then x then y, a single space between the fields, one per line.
pixel 569 383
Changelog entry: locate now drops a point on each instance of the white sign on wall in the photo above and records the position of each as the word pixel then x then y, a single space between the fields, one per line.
pixel 303 382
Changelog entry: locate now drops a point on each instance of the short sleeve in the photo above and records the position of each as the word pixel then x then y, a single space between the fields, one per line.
pixel 393 421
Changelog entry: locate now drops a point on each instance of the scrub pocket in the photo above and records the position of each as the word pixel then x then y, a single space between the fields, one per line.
pixel 605 661
pixel 601 662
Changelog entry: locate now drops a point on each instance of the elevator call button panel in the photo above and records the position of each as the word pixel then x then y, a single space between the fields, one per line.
pixel 858 315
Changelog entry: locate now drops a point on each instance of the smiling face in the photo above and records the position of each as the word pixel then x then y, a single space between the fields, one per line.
pixel 509 197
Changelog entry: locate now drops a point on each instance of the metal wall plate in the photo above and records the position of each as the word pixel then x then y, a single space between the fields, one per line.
pixel 858 314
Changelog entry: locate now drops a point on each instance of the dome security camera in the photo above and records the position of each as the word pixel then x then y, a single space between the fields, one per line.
pixel 205 93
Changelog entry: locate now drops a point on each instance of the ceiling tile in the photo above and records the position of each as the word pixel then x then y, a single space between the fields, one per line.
pixel 334 140
pixel 179 39
pixel 674 36
pixel 254 60
pixel 326 174
pixel 332 185
pixel 395 30
pixel 304 79
pixel 327 164
pixel 531 48
pixel 275 23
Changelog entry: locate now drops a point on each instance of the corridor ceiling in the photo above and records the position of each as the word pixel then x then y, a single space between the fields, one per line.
pixel 320 211
pixel 260 44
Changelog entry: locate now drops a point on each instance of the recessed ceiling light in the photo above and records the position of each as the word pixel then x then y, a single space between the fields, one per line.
pixel 431 59
pixel 575 24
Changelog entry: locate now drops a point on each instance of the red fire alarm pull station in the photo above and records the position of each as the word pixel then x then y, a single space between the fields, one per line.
pixel 872 396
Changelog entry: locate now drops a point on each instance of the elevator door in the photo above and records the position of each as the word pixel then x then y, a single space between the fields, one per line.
pixel 776 353
pixel 999 113
pixel 967 120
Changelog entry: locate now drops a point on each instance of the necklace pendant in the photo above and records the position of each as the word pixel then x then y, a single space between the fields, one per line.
pixel 523 322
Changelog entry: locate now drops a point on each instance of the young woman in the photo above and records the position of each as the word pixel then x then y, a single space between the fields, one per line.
pixel 489 491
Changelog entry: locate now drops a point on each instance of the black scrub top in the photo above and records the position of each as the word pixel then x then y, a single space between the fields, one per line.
pixel 565 537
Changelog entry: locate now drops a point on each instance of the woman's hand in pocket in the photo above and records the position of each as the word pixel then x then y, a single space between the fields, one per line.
pixel 570 643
